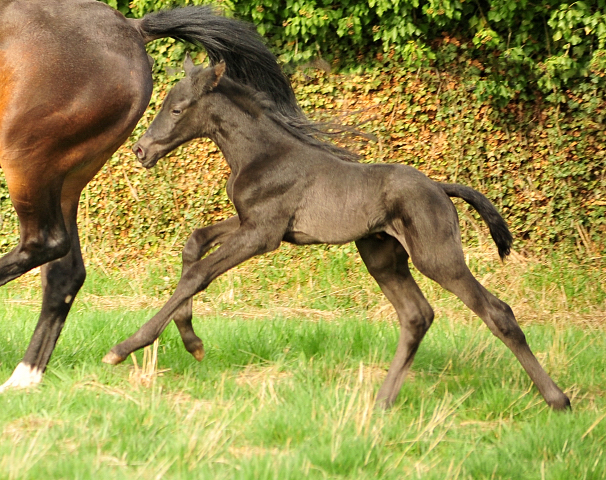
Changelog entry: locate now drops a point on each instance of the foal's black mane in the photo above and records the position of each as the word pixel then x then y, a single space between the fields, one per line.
pixel 256 103
pixel 252 63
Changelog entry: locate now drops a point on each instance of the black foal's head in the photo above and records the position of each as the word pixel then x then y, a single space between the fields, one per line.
pixel 181 117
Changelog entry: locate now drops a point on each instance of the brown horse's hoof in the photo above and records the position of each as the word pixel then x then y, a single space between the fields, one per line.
pixel 112 358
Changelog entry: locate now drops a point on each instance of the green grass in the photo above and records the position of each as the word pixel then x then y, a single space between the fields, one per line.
pixel 294 358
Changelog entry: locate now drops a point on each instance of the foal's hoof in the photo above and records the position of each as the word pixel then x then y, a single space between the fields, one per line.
pixel 383 404
pixel 198 353
pixel 196 348
pixel 112 358
pixel 562 404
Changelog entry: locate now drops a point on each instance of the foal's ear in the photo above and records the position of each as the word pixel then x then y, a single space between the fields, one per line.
pixel 210 78
pixel 205 81
pixel 219 71
pixel 188 65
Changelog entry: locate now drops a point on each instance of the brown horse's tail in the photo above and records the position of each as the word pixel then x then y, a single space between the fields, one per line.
pixel 498 228
pixel 247 58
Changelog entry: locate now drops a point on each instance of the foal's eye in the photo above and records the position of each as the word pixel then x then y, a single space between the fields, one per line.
pixel 176 111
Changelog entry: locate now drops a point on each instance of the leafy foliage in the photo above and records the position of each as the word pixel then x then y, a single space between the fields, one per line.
pixel 521 49
pixel 506 96
pixel 544 169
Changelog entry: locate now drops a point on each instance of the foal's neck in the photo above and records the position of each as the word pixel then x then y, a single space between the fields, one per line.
pixel 245 139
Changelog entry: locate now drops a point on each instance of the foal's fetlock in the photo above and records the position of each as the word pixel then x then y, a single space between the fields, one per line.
pixel 561 405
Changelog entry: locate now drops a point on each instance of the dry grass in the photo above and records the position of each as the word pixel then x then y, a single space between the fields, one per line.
pixel 236 294
pixel 319 413
pixel 302 414
pixel 146 374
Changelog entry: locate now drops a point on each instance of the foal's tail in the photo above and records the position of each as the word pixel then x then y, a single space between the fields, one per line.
pixel 247 58
pixel 498 228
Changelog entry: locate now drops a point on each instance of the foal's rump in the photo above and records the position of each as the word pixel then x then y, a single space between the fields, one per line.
pixel 425 221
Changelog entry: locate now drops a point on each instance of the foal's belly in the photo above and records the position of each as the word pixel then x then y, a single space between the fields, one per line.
pixel 335 222
pixel 343 202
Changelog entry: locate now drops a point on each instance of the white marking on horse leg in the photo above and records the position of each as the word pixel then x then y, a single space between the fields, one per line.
pixel 24 376
pixel 68 299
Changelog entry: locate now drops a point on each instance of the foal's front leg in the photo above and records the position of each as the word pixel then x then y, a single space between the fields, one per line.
pixel 246 242
pixel 198 244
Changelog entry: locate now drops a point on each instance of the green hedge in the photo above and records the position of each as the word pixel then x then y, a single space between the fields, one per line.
pixel 508 96
pixel 544 170
pixel 521 49
pixel 538 150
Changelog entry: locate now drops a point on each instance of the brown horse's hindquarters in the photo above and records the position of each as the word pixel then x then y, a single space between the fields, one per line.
pixel 70 94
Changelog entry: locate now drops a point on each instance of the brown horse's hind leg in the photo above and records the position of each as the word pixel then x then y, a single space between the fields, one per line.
pixel 387 262
pixel 198 244
pixel 61 281
pixel 452 273
pixel 43 236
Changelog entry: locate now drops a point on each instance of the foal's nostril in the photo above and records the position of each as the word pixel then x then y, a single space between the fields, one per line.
pixel 137 150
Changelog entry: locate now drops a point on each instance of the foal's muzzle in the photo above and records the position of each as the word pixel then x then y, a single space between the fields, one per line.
pixel 148 161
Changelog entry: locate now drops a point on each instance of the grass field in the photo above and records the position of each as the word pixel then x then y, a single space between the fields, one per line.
pixel 295 354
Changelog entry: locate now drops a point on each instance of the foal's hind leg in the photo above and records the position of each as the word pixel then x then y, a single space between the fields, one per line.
pixel 198 244
pixel 452 273
pixel 61 281
pixel 387 262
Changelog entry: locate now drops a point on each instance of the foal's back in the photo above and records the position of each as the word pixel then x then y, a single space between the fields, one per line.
pixel 335 201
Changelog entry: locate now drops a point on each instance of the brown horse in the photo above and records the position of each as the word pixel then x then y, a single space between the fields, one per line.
pixel 74 80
